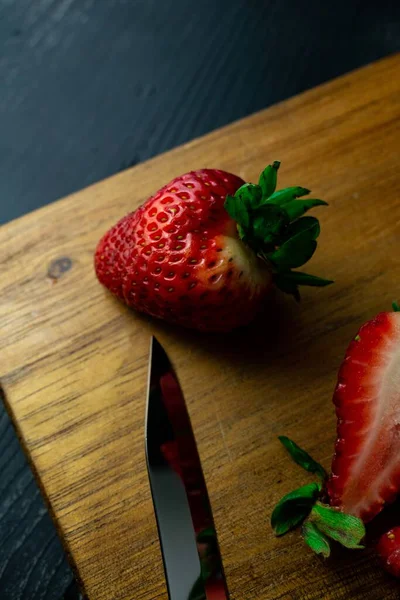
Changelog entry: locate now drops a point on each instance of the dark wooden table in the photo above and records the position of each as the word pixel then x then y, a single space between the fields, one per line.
pixel 89 87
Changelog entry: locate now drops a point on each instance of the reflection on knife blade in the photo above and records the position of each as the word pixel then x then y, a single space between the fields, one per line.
pixel 191 555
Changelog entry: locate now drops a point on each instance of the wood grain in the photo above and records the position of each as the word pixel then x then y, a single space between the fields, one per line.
pixel 74 360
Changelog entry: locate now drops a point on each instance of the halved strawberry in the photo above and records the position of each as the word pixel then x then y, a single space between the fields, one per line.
pixel 366 464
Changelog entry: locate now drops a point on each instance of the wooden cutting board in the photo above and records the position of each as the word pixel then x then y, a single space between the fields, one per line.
pixel 74 361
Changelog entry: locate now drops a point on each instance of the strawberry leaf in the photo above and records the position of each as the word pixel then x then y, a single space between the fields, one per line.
pixel 299 278
pixel 237 209
pixel 297 208
pixel 293 508
pixel 302 458
pixel 395 307
pixel 295 252
pixel 348 530
pixel 240 206
pixel 268 178
pixel 303 224
pixel 286 195
pixel 268 223
pixel 315 539
pixel 250 194
pixel 299 245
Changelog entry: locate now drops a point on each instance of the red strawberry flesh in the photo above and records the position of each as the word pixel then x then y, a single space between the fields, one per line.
pixel 388 549
pixel 366 465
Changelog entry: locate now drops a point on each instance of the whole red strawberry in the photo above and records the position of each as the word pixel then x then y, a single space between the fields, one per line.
pixel 205 249
pixel 388 549
pixel 366 465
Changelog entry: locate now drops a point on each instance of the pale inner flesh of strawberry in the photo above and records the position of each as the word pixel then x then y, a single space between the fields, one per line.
pixel 255 275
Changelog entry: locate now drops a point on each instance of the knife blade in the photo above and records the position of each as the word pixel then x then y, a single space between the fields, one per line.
pixel 192 560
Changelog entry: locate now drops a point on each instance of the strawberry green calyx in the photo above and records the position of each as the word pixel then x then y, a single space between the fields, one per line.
pixel 321 523
pixel 272 223
pixel 345 529
pixel 293 508
pixel 302 458
pixel 314 538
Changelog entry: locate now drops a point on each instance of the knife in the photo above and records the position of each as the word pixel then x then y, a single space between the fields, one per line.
pixel 191 556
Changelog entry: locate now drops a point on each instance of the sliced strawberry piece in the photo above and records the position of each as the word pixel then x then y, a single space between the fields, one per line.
pixel 388 549
pixel 366 464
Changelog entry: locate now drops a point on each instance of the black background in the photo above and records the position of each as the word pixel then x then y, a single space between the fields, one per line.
pixel 90 87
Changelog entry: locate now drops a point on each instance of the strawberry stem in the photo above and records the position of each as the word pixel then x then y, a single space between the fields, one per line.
pixel 272 224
